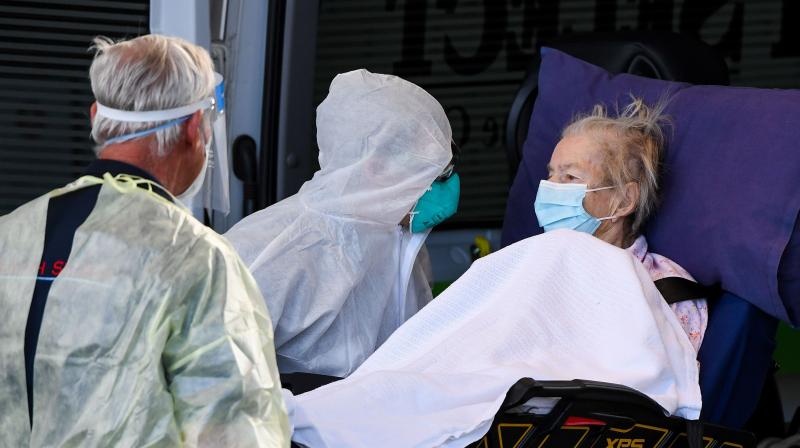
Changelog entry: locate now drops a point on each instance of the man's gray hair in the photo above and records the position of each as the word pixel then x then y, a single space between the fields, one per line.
pixel 151 72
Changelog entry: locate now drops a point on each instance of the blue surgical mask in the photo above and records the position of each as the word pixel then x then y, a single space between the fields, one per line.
pixel 437 204
pixel 560 206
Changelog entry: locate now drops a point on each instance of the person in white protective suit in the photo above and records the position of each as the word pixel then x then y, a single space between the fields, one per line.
pixel 337 268
pixel 126 321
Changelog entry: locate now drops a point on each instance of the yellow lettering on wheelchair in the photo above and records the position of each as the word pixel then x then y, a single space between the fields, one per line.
pixel 624 443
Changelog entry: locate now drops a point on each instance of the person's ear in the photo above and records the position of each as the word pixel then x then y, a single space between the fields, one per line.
pixel 630 199
pixel 193 129
pixel 92 113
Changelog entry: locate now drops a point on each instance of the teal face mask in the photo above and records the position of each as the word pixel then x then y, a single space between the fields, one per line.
pixel 560 206
pixel 437 204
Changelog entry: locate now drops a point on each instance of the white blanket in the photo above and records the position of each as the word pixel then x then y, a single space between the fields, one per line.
pixel 559 306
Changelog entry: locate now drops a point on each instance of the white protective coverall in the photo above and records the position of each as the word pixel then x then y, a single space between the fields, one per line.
pixel 154 333
pixel 332 261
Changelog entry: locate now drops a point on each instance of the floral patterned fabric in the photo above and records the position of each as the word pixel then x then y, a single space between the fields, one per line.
pixel 692 314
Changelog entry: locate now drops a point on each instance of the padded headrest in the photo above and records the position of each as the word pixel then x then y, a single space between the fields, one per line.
pixel 730 190
pixel 668 56
pixel 653 54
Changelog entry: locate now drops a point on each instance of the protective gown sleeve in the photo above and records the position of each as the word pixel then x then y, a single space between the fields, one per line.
pixel 220 361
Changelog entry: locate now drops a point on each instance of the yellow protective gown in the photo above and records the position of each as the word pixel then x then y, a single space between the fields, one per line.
pixel 154 334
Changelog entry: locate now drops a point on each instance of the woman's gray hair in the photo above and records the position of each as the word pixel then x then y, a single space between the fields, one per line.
pixel 632 143
pixel 151 72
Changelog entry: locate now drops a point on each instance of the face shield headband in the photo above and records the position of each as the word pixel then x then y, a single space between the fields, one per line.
pixel 215 194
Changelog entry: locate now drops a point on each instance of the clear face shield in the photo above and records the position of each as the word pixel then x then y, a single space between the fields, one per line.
pixel 215 192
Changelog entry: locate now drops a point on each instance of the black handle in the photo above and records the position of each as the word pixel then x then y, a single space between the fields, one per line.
pixel 245 167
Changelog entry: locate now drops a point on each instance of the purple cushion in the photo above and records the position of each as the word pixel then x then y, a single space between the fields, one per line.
pixel 731 185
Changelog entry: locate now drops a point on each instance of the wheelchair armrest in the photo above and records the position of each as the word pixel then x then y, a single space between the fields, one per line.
pixel 584 390
pixel 592 413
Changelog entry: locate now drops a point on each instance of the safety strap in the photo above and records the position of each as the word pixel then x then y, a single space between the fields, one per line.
pixel 694 433
pixel 678 289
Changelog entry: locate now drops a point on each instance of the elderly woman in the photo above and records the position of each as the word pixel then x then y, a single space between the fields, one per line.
pixel 603 180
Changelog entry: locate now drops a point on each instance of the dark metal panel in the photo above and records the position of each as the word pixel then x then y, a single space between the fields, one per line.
pixel 40 60
pixel 44 88
pixel 36 156
pixel 271 104
pixel 472 54
pixel 137 7
pixel 23 83
pixel 9 22
pixel 90 16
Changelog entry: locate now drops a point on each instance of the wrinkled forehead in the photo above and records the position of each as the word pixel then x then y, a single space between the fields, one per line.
pixel 579 154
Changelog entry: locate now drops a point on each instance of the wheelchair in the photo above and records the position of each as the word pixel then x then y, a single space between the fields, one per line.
pixel 736 373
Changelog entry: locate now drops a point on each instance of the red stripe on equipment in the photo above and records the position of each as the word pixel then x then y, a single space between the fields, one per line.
pixel 582 421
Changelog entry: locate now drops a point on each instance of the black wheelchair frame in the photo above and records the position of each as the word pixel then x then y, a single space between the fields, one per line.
pixel 595 414
pixel 588 414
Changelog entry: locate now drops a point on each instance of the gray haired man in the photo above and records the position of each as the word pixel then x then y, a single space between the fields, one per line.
pixel 126 321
